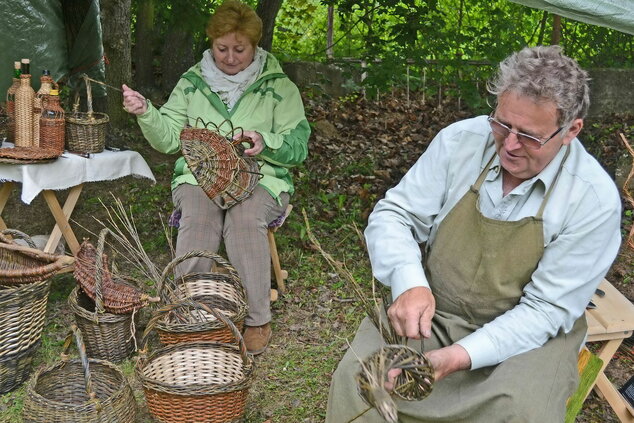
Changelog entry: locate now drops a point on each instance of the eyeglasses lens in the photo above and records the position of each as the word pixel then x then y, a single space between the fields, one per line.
pixel 504 132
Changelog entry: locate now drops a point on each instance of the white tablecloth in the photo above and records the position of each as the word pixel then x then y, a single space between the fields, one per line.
pixel 71 170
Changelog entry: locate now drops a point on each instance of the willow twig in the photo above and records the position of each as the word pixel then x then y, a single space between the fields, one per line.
pixel 625 188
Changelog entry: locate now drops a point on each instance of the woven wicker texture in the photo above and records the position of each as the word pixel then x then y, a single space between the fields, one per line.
pixel 52 124
pixel 199 381
pixel 218 165
pixel 221 291
pixel 22 315
pixel 108 336
pixel 19 264
pixel 16 368
pixel 414 383
pixel 86 132
pixel 24 96
pixel 112 295
pixel 46 83
pixel 79 391
pixel 24 155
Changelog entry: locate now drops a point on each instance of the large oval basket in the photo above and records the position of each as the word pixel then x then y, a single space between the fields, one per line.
pixel 199 382
pixel 220 290
pixel 79 391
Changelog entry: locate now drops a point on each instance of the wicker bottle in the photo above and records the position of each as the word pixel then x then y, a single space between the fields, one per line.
pixel 11 101
pixel 24 97
pixel 46 83
pixel 52 123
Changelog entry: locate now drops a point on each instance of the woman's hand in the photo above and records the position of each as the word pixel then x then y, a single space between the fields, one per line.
pixel 133 102
pixel 256 139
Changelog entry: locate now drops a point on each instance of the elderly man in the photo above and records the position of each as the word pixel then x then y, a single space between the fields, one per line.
pixel 520 224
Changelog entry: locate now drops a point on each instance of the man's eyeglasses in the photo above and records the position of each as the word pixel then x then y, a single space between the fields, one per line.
pixel 526 140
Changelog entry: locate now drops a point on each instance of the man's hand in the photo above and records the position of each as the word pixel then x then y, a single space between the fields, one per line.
pixel 256 138
pixel 412 311
pixel 445 361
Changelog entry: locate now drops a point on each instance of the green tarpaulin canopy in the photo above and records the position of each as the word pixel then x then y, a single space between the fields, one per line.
pixel 35 30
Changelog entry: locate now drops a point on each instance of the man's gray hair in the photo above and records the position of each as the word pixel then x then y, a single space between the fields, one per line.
pixel 544 73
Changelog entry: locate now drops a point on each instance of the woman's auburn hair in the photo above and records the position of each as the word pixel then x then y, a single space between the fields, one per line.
pixel 235 16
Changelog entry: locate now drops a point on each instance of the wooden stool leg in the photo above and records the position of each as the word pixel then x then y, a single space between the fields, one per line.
pixel 275 261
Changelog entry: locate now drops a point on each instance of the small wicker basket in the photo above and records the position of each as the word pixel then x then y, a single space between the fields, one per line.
pixel 220 291
pixel 83 390
pixel 108 336
pixel 203 382
pixel 86 132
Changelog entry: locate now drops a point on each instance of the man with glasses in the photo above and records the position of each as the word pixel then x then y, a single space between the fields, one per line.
pixel 520 224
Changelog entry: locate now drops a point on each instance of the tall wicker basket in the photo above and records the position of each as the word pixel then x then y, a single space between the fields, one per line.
pixel 83 390
pixel 108 336
pixel 86 132
pixel 198 382
pixel 220 291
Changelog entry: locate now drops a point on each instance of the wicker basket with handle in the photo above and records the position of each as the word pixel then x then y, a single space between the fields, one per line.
pixel 86 132
pixel 108 336
pixel 204 382
pixel 220 290
pixel 83 390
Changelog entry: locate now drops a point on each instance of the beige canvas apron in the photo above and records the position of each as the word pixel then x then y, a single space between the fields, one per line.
pixel 477 270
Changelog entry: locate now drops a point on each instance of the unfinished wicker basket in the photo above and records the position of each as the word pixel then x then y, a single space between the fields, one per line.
pixel 199 382
pixel 108 336
pixel 218 164
pixel 220 291
pixel 83 390
pixel 20 264
pixel 86 132
pixel 112 295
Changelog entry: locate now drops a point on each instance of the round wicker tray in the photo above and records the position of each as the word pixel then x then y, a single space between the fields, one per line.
pixel 25 155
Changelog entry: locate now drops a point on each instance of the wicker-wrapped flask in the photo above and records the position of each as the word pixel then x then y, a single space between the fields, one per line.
pixel 52 122
pixel 11 100
pixel 46 83
pixel 24 97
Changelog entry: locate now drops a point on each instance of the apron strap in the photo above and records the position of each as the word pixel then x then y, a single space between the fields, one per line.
pixel 550 189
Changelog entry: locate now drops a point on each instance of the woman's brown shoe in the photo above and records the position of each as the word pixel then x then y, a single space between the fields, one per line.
pixel 257 338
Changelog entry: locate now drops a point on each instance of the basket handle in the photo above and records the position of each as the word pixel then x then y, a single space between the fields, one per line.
pixel 193 254
pixel 200 306
pixel 88 95
pixel 81 347
pixel 99 271
pixel 14 233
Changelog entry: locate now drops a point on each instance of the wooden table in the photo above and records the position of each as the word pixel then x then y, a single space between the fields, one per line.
pixel 609 324
pixel 67 172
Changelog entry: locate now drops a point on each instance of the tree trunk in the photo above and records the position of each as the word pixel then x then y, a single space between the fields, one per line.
pixel 542 28
pixel 556 36
pixel 329 35
pixel 176 57
pixel 115 21
pixel 267 11
pixel 144 46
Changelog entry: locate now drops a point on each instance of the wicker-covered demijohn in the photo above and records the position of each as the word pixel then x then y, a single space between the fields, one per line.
pixel 203 382
pixel 108 336
pixel 83 390
pixel 219 166
pixel 86 131
pixel 20 264
pixel 220 290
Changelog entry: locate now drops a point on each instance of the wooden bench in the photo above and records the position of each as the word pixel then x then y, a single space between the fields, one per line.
pixel 610 323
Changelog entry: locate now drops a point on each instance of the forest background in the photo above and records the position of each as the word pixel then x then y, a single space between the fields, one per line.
pixel 410 68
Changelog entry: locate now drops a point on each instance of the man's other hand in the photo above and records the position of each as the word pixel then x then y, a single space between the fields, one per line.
pixel 412 311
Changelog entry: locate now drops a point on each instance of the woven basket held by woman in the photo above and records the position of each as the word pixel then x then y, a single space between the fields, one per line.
pixel 238 81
